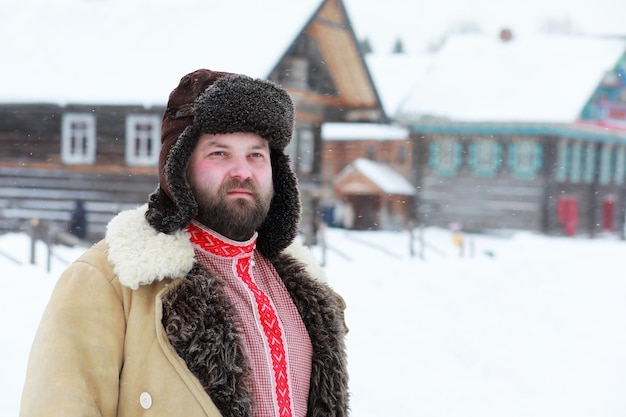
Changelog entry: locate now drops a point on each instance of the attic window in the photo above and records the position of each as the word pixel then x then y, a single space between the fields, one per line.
pixel 143 139
pixel 78 138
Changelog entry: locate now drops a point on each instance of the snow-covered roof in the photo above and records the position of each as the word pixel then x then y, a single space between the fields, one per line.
pixel 395 74
pixel 388 180
pixel 363 131
pixel 479 78
pixel 136 51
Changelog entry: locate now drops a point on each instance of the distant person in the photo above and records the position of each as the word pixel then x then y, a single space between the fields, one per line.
pixel 347 216
pixel 200 303
pixel 78 220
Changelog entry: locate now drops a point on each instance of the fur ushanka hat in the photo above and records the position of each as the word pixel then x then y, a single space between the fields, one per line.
pixel 216 102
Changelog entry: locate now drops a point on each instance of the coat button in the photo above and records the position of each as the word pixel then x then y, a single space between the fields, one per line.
pixel 145 400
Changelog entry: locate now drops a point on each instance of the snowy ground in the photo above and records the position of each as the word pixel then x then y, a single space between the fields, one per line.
pixel 523 326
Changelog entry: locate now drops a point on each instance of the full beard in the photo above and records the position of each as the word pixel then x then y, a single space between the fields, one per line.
pixel 237 219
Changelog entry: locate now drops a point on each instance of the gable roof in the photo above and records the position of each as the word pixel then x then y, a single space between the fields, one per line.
pixel 381 175
pixel 118 51
pixel 324 66
pixel 478 78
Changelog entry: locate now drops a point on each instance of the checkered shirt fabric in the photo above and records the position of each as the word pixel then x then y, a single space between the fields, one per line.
pixel 274 336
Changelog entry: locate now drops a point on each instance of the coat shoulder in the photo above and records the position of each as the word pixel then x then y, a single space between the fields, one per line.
pixel 302 254
pixel 141 255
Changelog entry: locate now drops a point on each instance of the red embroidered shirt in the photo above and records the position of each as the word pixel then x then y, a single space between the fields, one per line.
pixel 274 336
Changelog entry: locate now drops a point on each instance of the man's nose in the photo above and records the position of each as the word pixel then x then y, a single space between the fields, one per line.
pixel 240 168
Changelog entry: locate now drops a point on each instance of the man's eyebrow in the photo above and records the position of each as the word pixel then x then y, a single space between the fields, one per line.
pixel 264 146
pixel 216 143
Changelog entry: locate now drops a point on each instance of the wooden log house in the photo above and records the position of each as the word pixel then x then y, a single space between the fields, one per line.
pixel 104 152
pixel 530 136
pixel 552 179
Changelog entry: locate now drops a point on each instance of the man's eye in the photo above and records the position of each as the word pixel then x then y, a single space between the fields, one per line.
pixel 217 153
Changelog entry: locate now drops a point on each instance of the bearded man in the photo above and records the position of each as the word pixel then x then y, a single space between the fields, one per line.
pixel 200 303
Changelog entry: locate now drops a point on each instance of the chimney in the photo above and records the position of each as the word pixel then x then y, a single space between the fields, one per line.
pixel 506 35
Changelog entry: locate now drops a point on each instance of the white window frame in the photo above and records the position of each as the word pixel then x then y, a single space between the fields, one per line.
pixel 143 147
pixel 78 138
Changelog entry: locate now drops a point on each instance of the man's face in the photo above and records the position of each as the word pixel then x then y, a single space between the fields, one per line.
pixel 231 178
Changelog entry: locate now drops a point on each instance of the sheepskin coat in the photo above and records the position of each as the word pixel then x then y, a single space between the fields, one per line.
pixel 136 327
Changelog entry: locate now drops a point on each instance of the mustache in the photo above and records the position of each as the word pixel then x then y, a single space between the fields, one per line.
pixel 233 184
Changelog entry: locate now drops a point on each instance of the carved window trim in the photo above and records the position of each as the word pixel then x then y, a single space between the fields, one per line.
pixel 143 139
pixel 78 138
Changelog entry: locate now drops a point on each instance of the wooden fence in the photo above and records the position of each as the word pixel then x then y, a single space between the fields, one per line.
pixel 28 195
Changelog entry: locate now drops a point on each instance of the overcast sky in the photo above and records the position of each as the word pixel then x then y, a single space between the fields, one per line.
pixel 57 49
pixel 421 22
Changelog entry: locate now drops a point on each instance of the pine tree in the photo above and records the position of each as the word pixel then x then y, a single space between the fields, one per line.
pixel 398 47
pixel 365 47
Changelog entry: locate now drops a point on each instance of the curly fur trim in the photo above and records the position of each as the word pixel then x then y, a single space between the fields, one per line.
pixel 280 227
pixel 300 252
pixel 238 103
pixel 201 325
pixel 198 320
pixel 169 213
pixel 141 255
pixel 321 310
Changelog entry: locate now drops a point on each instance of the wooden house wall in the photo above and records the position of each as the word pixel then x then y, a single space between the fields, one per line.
pixel 374 209
pixel 504 201
pixel 337 154
pixel 48 195
pixel 111 133
pixel 35 185
pixel 590 199
pixel 476 203
pixel 589 196
pixel 30 134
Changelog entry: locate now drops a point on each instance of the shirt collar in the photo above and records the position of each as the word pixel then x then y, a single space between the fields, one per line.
pixel 212 242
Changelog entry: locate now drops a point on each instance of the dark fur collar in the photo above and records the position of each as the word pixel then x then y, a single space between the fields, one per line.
pixel 201 326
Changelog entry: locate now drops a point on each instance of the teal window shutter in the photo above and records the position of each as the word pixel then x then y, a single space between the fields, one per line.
pixel 525 158
pixel 485 157
pixel 446 156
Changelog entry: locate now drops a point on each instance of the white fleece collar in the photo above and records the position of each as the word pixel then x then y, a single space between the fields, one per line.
pixel 140 255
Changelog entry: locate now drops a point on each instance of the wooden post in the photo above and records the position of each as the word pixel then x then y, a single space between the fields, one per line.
pixel 421 241
pixel 49 245
pixel 322 242
pixel 411 241
pixel 34 225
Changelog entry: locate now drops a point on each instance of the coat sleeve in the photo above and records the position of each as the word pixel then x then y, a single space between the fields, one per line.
pixel 77 353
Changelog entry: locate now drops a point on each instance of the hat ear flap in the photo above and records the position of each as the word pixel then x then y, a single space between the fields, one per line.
pixel 163 214
pixel 280 227
pixel 169 214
